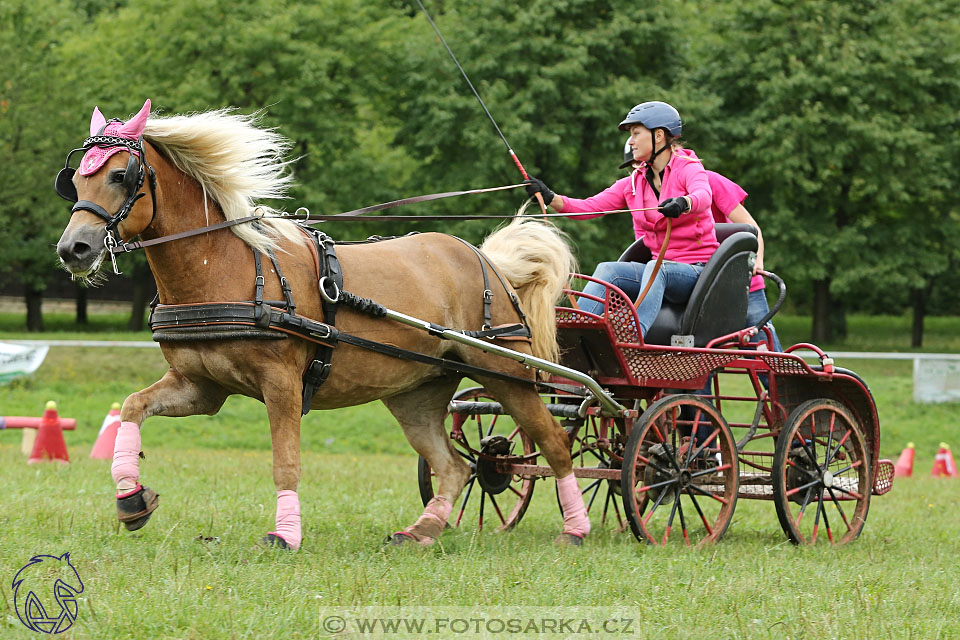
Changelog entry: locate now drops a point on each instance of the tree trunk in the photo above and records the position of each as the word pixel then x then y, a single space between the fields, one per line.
pixel 142 288
pixel 81 298
pixel 34 300
pixel 821 311
pixel 918 299
pixel 837 330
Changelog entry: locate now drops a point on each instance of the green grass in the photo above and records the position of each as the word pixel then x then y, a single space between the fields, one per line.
pixel 898 580
pixel 359 484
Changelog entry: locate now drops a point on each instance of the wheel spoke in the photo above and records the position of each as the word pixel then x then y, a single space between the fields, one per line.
pixel 849 493
pixel 836 503
pixel 826 521
pixel 803 507
pixel 466 498
pixel 708 494
pixel 724 467
pixel 673 513
pixel 696 506
pixel 837 448
pixel 706 442
pixel 496 508
pixel 802 487
pixel 693 437
pixel 653 508
pixel 683 521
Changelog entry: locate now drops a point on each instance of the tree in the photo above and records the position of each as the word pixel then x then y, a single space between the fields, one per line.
pixel 834 115
pixel 31 142
pixel 557 77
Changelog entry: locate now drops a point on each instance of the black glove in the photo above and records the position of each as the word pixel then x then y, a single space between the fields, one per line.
pixel 535 186
pixel 673 207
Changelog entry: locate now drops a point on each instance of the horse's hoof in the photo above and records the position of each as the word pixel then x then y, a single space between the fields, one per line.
pixel 568 540
pixel 134 510
pixel 406 539
pixel 273 540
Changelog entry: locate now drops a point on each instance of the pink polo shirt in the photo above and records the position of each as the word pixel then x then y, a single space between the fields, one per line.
pixel 693 238
pixel 727 195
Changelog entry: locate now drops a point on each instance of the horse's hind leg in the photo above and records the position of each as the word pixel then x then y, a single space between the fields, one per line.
pixel 528 410
pixel 173 395
pixel 421 413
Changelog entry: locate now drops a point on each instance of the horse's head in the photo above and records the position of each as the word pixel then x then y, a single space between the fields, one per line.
pixel 106 189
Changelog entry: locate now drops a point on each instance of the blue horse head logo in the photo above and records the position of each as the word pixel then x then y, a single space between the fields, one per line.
pixel 37 609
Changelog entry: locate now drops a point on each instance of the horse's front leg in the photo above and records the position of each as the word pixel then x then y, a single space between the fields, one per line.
pixel 174 396
pixel 283 400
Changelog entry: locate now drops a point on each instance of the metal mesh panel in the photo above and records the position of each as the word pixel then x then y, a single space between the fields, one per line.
pixel 671 365
pixel 884 480
pixel 622 318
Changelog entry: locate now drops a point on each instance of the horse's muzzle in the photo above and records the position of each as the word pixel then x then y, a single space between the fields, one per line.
pixel 80 252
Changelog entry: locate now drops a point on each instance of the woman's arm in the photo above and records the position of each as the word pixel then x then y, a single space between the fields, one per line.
pixel 741 215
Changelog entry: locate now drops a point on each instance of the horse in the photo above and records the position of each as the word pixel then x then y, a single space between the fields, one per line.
pixel 169 175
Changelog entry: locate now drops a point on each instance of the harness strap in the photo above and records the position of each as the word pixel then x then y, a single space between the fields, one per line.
pixel 175 323
pixel 488 294
pixel 328 270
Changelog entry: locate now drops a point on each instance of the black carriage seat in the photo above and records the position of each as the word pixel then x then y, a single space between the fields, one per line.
pixel 718 304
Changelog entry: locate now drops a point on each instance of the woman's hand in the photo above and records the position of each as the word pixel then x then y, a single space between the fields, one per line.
pixel 535 186
pixel 673 207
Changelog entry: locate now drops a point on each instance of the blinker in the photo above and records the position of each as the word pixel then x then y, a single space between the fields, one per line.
pixel 64 185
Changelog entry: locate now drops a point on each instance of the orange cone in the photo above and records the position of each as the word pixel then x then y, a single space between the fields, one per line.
pixel 103 447
pixel 50 444
pixel 944 465
pixel 904 466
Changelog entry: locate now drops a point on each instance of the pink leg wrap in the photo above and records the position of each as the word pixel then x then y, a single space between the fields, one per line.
pixel 575 519
pixel 126 457
pixel 288 518
pixel 430 524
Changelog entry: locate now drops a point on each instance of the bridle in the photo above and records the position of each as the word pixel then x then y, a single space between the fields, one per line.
pixel 133 178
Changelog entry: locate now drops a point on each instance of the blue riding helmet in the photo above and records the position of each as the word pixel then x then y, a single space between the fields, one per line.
pixel 654 115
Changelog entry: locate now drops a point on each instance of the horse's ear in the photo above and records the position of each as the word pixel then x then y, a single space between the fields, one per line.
pixel 97 121
pixel 133 128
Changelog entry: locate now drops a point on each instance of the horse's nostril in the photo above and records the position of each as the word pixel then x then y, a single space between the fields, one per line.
pixel 74 252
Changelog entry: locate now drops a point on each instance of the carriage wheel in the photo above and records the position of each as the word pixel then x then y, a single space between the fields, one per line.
pixel 488 494
pixel 677 485
pixel 599 444
pixel 821 474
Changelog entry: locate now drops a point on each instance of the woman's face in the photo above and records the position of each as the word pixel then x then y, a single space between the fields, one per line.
pixel 640 142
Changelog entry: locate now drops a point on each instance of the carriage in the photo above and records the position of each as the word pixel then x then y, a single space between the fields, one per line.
pixel 668 445
pixel 638 422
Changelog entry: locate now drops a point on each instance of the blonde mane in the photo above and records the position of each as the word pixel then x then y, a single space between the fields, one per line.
pixel 236 163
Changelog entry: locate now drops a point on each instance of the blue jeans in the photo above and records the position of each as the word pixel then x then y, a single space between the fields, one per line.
pixel 756 309
pixel 674 283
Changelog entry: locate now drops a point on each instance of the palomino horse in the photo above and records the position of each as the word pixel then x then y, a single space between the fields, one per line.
pixel 168 175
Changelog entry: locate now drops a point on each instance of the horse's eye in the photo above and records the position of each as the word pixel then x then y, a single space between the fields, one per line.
pixel 118 177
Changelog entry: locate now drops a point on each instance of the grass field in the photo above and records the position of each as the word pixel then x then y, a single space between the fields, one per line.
pixel 195 571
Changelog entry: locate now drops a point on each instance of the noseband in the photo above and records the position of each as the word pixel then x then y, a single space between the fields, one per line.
pixel 133 179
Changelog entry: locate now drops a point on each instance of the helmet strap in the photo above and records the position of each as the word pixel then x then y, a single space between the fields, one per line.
pixel 653 145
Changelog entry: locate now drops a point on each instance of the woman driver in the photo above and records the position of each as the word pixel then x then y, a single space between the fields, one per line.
pixel 668 182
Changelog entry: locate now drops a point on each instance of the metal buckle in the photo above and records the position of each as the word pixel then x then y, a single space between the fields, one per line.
pixel 109 242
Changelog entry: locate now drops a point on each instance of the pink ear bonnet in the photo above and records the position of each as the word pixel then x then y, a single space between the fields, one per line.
pixel 94 158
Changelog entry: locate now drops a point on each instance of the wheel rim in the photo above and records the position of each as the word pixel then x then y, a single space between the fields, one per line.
pixel 821 484
pixel 599 443
pixel 476 507
pixel 680 472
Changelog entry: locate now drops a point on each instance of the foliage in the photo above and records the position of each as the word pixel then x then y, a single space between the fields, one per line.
pixel 841 119
pixel 838 118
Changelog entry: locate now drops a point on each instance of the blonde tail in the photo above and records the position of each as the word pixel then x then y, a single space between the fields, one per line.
pixel 535 257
